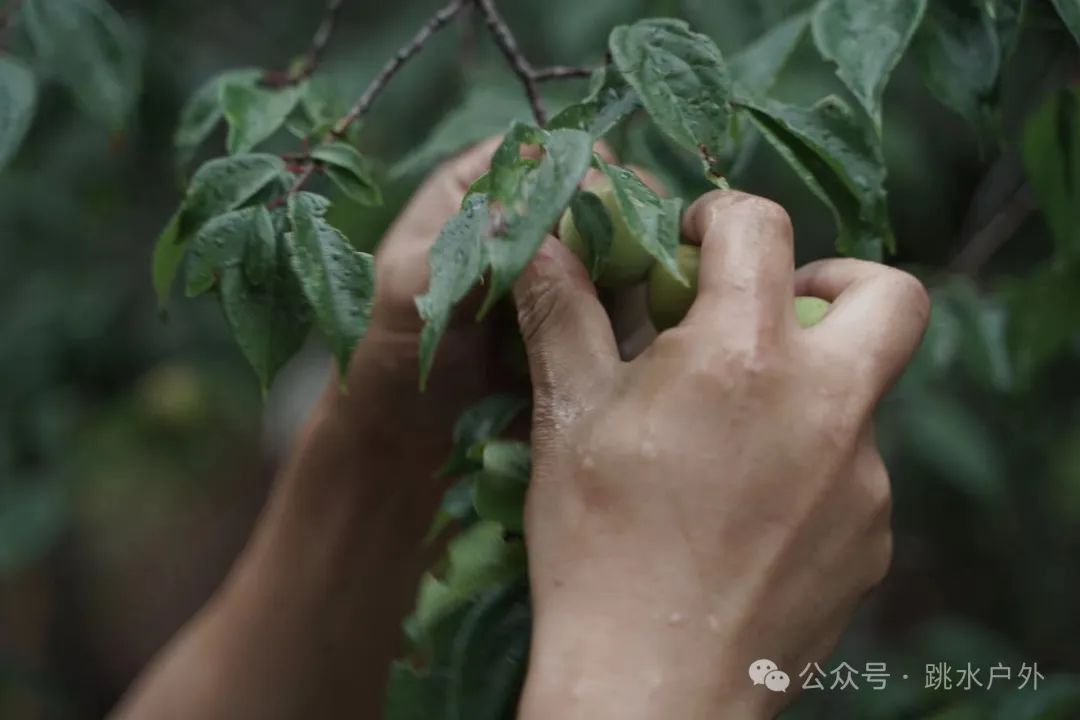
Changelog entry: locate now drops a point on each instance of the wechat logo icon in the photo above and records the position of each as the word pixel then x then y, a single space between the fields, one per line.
pixel 765 672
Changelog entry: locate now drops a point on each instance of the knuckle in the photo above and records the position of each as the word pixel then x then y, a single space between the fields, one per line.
pixel 912 295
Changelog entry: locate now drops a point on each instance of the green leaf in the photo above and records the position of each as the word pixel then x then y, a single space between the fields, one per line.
pixel 507 171
pixel 270 321
pixel 224 184
pixel 540 197
pixel 255 112
pixel 18 98
pixel 477 424
pixel 959 54
pixel 653 221
pixel 456 263
pixel 168 254
pixel 478 559
pixel 87 47
pixel 1058 698
pixel 1051 155
pixel 485 111
pixel 502 483
pixel 224 242
pixel 1069 10
pixel 260 254
pixel 489 655
pixel 756 68
pixel 202 112
pixel 611 100
pixel 840 161
pixel 866 39
pixel 337 279
pixel 593 224
pixel 350 171
pixel 947 438
pixel 1044 317
pixel 681 79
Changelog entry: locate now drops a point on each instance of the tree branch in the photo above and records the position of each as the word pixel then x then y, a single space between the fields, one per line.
pixel 561 72
pixel 306 67
pixel 982 245
pixel 438 21
pixel 504 38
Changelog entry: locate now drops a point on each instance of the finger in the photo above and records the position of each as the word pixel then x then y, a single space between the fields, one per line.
pixel 878 317
pixel 747 259
pixel 567 334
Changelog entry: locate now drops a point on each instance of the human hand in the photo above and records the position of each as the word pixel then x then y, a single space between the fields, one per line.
pixel 720 498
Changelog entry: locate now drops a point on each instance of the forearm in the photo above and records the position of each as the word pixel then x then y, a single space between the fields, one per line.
pixel 310 616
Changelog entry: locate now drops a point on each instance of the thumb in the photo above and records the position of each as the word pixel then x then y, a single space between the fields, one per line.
pixel 567 333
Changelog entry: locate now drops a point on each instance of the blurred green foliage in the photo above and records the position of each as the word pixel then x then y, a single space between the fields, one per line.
pixel 111 419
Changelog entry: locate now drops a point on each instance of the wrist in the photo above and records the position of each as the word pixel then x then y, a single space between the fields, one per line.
pixel 604 660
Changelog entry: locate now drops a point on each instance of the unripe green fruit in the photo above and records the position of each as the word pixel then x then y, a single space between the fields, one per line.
pixel 669 300
pixel 810 310
pixel 628 262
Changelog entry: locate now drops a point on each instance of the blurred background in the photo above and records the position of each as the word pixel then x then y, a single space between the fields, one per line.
pixel 135 452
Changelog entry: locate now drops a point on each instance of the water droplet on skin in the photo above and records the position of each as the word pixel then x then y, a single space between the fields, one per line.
pixel 587 462
pixel 648 450
pixel 675 618
pixel 714 623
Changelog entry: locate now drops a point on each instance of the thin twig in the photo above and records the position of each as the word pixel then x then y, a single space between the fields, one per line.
pixel 301 179
pixel 993 235
pixel 306 68
pixel 561 72
pixel 438 21
pixel 504 38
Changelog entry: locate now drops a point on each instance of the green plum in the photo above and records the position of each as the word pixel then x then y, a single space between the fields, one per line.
pixel 669 300
pixel 628 263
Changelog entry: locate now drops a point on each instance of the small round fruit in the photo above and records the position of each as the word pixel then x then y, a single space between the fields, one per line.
pixel 628 262
pixel 670 300
pixel 810 310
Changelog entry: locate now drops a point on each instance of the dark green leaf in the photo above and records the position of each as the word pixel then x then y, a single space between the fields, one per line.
pixel 337 279
pixel 261 251
pixel 593 224
pixel 1057 698
pixel 840 161
pixel 478 559
pixel 86 45
pixel 18 97
pixel 501 484
pixel 866 39
pixel 491 647
pixel 255 112
pixel 224 184
pixel 507 172
pixel 539 199
pixel 955 444
pixel 756 68
pixel 270 321
pixel 610 101
pixel 959 55
pixel 1044 317
pixel 456 262
pixel 1051 154
pixel 202 112
pixel 415 693
pixel 1069 10
pixel 168 254
pixel 225 241
pixel 350 171
pixel 681 79
pixel 478 423
pixel 653 221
